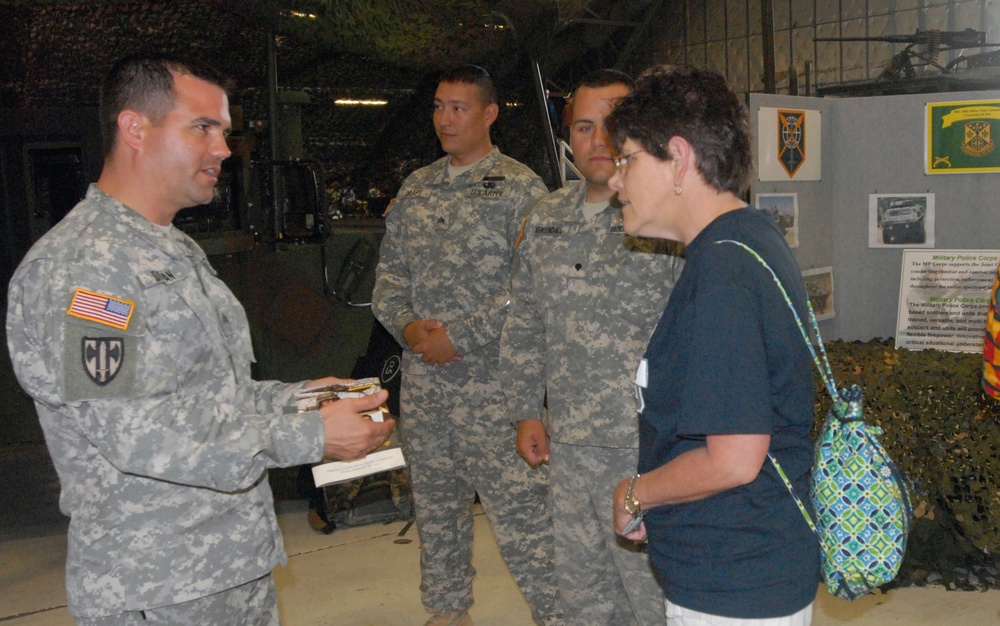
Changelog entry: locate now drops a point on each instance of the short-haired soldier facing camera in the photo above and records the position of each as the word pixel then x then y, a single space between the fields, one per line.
pixel 441 289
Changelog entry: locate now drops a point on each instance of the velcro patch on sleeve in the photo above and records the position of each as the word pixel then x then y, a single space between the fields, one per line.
pixel 102 309
pixel 98 363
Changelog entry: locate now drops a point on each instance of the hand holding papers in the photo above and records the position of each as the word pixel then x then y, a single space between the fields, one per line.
pixel 388 456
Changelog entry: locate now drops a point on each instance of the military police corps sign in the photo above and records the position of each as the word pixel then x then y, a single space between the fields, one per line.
pixel 960 137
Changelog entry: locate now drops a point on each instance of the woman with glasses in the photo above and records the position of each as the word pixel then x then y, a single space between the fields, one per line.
pixel 726 377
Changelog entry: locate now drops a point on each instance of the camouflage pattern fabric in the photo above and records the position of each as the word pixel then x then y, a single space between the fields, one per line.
pixel 459 442
pixel 619 587
pixel 251 604
pixel 446 255
pixel 585 298
pixel 584 302
pixel 138 359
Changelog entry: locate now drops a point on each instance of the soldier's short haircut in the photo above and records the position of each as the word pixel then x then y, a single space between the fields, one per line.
pixel 683 101
pixel 472 75
pixel 605 78
pixel 145 83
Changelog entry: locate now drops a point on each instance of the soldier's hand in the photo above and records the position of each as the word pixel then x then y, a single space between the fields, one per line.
pixel 437 348
pixel 533 442
pixel 349 433
pixel 416 333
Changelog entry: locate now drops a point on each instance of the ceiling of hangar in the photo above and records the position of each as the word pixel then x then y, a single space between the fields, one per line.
pixel 393 50
pixel 566 37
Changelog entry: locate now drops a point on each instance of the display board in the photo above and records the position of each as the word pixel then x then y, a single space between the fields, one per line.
pixel 943 299
pixel 874 147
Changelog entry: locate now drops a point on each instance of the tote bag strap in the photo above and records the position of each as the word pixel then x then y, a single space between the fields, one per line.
pixel 822 365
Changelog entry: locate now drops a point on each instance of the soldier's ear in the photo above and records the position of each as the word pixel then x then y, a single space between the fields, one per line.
pixel 492 111
pixel 132 127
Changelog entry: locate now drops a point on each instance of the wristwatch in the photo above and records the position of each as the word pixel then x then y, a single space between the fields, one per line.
pixel 632 506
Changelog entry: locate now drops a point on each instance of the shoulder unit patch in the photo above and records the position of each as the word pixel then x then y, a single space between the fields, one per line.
pixel 102 357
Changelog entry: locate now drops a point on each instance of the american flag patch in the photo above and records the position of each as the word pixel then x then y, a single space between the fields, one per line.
pixel 101 309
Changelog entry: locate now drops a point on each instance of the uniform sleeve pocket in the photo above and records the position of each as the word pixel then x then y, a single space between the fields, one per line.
pixel 100 361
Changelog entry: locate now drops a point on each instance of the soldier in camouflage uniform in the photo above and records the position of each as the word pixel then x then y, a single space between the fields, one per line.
pixel 584 300
pixel 138 358
pixel 441 289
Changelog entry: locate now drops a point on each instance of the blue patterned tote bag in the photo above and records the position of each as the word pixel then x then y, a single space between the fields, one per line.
pixel 861 501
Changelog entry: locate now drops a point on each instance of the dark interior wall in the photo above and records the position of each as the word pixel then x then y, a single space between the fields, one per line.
pixel 55 53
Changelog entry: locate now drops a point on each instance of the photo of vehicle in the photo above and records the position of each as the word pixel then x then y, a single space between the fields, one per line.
pixel 897 220
pixel 903 222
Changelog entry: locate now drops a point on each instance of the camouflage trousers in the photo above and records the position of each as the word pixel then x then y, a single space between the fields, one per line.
pixel 458 442
pixel 603 579
pixel 250 604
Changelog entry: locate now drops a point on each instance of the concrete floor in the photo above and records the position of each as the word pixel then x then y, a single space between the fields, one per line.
pixel 369 576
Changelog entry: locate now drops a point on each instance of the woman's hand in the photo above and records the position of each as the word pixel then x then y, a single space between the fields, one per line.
pixel 623 517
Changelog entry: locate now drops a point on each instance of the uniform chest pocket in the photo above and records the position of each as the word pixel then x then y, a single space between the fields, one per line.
pixel 231 318
pixel 639 291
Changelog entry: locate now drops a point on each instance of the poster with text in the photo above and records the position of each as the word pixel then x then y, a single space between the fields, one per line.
pixel 901 220
pixel 789 144
pixel 785 209
pixel 943 298
pixel 959 137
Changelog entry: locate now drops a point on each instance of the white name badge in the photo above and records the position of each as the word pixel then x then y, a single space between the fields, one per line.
pixel 641 382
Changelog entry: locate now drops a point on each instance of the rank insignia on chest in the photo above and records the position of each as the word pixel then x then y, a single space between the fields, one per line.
pixel 490 182
pixel 102 309
pixel 618 228
pixel 102 357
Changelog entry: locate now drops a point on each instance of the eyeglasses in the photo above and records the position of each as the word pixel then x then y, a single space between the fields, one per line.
pixel 621 162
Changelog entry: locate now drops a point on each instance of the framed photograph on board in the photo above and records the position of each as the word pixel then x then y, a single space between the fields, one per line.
pixel 904 220
pixel 789 144
pixel 960 137
pixel 785 209
pixel 819 289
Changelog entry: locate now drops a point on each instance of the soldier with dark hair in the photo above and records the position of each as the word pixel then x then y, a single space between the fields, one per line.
pixel 584 299
pixel 441 289
pixel 138 358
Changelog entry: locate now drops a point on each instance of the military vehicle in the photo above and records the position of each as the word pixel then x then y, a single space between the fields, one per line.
pixel 903 222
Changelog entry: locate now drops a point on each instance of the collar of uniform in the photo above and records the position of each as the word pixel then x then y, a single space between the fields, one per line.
pixel 476 173
pixel 578 195
pixel 173 242
pixel 567 203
